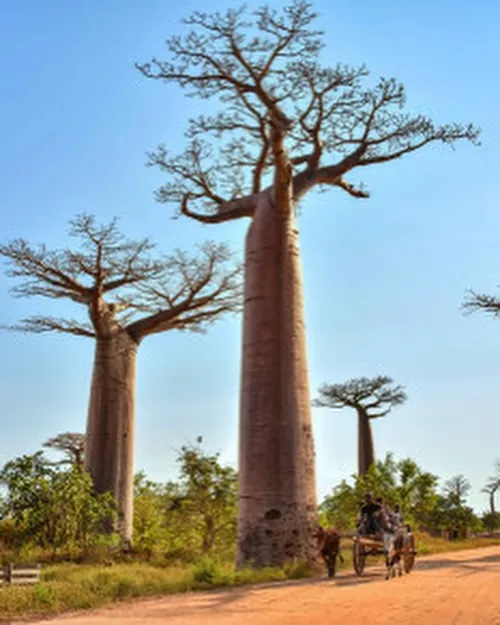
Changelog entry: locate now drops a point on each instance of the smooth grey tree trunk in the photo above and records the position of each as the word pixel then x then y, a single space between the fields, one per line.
pixel 109 444
pixel 277 506
pixel 366 453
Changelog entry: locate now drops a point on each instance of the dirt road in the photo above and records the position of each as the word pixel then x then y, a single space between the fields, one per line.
pixel 461 588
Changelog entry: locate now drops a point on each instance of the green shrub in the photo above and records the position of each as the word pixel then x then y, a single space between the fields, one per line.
pixel 211 571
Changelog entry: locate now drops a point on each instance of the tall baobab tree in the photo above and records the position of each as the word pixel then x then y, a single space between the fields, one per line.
pixel 286 125
pixel 71 444
pixel 490 304
pixel 372 399
pixel 128 295
pixel 493 486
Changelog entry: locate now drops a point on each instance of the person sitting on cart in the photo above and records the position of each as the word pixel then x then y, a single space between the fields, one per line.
pixel 368 515
pixel 397 517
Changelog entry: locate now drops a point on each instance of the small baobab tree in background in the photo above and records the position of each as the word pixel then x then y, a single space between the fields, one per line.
pixel 492 486
pixel 127 295
pixel 457 488
pixel 490 304
pixel 286 125
pixel 372 398
pixel 71 444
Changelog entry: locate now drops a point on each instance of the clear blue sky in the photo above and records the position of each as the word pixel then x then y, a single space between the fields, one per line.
pixel 384 277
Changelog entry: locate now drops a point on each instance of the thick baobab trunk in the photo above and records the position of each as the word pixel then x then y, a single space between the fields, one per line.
pixel 492 501
pixel 277 504
pixel 109 451
pixel 366 453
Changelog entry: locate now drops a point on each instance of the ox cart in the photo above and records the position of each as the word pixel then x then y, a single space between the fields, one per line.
pixel 373 545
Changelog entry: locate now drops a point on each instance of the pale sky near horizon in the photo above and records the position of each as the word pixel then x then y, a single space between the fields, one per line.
pixel 384 277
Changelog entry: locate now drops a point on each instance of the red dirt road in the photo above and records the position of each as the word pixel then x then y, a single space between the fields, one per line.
pixel 461 588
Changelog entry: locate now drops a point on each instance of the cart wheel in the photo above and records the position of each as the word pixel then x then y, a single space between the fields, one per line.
pixel 358 557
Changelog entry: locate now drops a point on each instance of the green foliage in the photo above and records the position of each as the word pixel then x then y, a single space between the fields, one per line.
pixel 149 519
pixel 491 521
pixel 190 517
pixel 401 482
pixel 209 493
pixel 451 514
pixel 50 507
pixel 415 490
pixel 211 571
pixel 74 587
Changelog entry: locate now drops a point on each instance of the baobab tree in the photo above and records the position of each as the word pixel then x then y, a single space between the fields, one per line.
pixel 71 444
pixel 457 488
pixel 286 126
pixel 128 295
pixel 492 486
pixel 371 398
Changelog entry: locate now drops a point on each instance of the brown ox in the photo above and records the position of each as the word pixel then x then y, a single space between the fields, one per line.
pixel 329 548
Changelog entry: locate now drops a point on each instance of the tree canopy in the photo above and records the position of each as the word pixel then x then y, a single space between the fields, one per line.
pixel 119 279
pixel 375 396
pixel 265 69
pixel 71 444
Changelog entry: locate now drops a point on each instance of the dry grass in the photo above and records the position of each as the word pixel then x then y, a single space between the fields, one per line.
pixel 67 587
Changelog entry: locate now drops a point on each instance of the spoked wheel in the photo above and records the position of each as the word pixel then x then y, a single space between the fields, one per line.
pixel 358 557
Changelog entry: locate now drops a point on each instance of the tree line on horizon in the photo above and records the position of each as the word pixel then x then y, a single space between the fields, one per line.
pixel 287 124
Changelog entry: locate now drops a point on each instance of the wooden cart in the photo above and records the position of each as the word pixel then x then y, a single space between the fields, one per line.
pixel 364 546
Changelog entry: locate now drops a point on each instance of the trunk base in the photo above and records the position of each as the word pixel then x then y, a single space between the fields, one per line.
pixel 284 533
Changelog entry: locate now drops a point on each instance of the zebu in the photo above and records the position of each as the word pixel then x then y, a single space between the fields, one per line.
pixel 329 548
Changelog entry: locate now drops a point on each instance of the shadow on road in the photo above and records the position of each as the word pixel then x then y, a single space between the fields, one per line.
pixel 427 565
pixel 225 599
pixel 470 566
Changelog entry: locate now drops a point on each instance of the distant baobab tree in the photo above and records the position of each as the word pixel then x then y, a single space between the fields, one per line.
pixel 372 398
pixel 286 125
pixel 71 444
pixel 457 488
pixel 128 294
pixel 492 486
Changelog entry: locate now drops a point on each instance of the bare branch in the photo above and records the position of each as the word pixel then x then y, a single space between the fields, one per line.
pixel 46 272
pixel 193 292
pixel 475 302
pixel 244 207
pixel 41 324
pixel 352 190
pixel 106 262
pixel 263 68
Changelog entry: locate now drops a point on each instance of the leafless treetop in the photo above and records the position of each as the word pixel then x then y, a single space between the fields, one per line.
pixel 120 282
pixel 374 396
pixel 264 68
pixel 72 444
pixel 493 482
pixel 457 486
pixel 475 302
